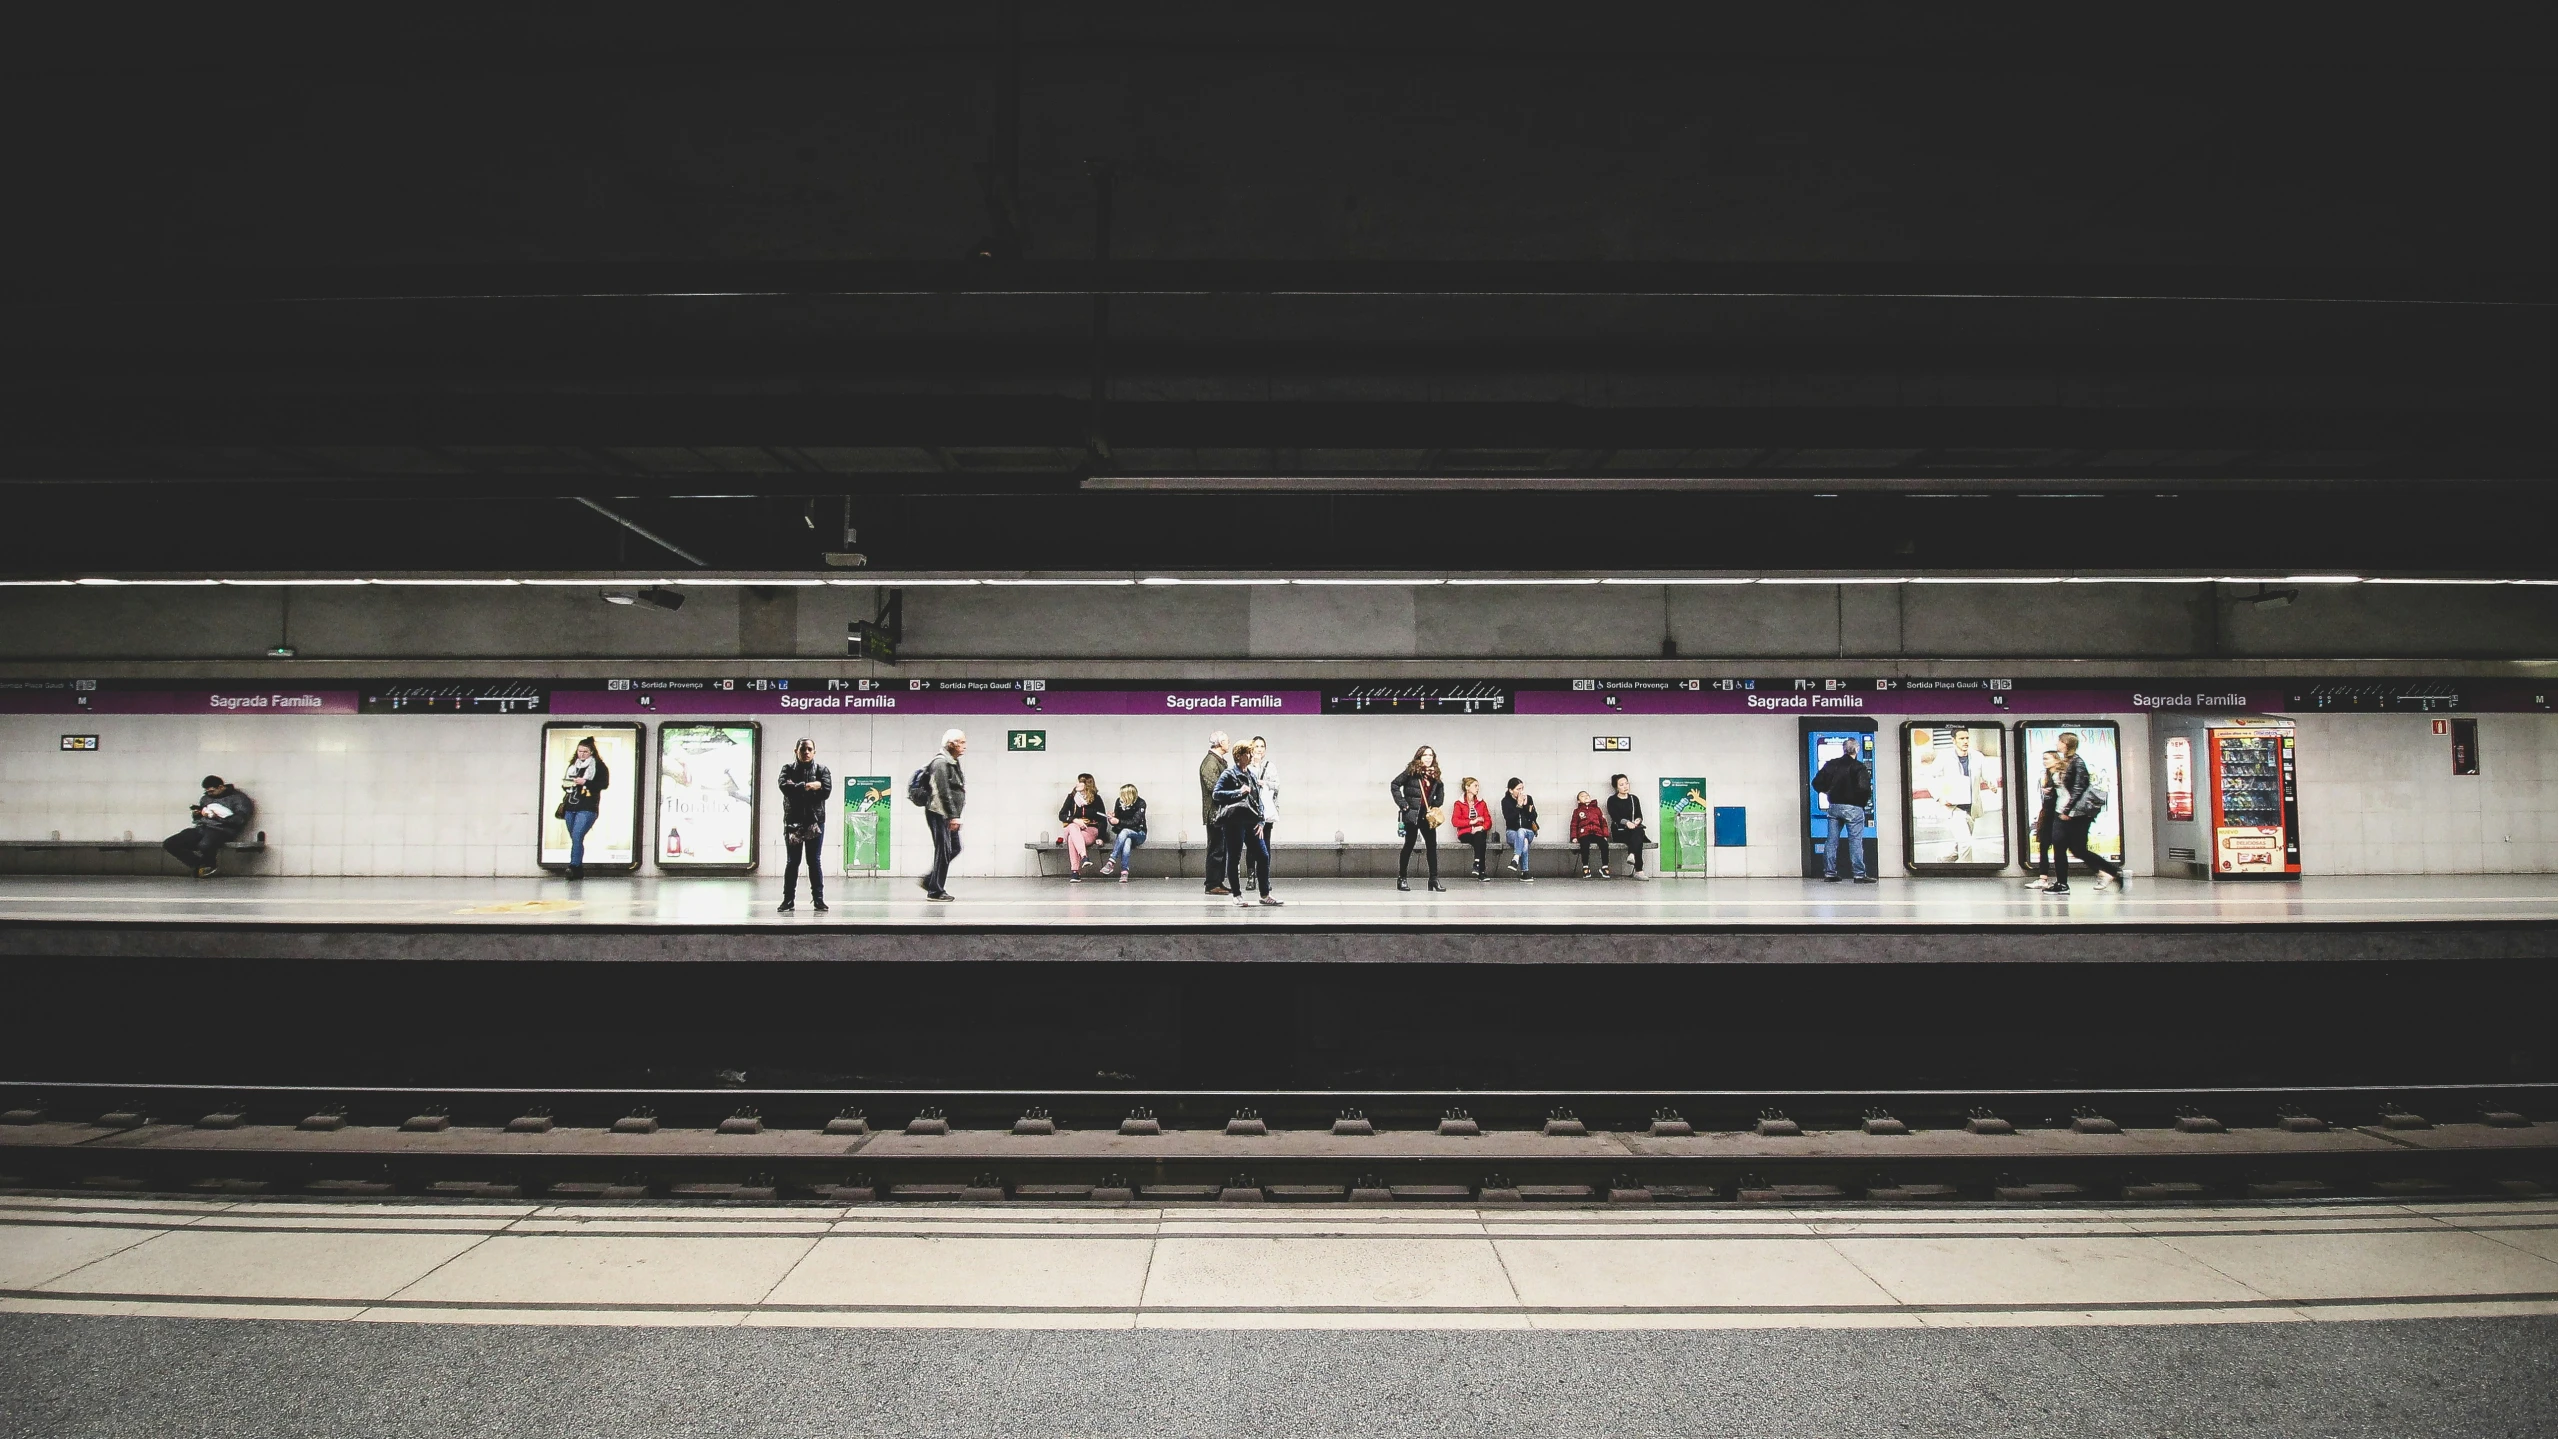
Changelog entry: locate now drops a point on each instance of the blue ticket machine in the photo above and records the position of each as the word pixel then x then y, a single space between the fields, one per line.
pixel 1824 739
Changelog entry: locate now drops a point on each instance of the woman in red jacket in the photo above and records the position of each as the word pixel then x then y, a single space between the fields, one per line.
pixel 1590 827
pixel 1474 822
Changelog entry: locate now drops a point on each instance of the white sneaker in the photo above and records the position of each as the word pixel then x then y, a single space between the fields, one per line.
pixel 2040 881
pixel 2104 880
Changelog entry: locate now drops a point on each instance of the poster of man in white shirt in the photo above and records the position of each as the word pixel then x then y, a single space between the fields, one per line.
pixel 1957 795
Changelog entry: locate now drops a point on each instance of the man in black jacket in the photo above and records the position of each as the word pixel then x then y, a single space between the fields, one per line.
pixel 806 784
pixel 1849 787
pixel 218 818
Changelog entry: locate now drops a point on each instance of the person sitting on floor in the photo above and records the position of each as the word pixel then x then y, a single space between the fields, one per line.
pixel 220 816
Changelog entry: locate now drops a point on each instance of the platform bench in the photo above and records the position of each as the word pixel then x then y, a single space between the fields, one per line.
pixel 108 856
pixel 1317 859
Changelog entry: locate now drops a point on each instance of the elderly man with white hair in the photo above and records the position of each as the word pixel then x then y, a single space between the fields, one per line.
pixel 1212 767
pixel 949 796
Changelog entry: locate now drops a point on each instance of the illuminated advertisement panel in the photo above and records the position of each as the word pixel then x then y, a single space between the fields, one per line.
pixel 707 797
pixel 574 757
pixel 2100 744
pixel 1953 797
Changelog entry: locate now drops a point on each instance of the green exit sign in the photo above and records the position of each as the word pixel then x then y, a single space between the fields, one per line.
pixel 1025 739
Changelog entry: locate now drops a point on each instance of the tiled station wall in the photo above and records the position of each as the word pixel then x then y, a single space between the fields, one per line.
pixel 449 795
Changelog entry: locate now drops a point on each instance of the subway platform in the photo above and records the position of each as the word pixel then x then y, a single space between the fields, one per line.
pixel 415 1318
pixel 1670 920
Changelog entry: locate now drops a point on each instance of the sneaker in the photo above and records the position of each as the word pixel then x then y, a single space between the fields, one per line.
pixel 2122 881
pixel 2056 889
pixel 1640 874
pixel 1487 879
pixel 2040 881
pixel 1265 899
pixel 205 871
pixel 818 905
pixel 1123 876
pixel 1585 871
pixel 1603 873
pixel 786 907
pixel 1865 879
pixel 944 897
pixel 1107 869
pixel 1076 878
pixel 1526 878
pixel 2104 881
pixel 1829 879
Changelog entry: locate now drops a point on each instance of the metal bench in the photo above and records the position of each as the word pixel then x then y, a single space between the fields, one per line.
pixel 1313 859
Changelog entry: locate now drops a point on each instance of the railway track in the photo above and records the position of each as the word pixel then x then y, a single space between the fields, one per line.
pixel 1282 1146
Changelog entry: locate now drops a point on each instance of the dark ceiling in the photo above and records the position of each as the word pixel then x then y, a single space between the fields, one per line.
pixel 1464 286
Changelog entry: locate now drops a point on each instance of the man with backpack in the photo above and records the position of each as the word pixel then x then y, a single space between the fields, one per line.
pixel 942 790
pixel 1849 787
pixel 2080 797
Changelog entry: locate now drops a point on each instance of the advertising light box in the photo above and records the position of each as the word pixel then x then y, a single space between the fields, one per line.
pixel 707 797
pixel 613 840
pixel 2100 744
pixel 1953 797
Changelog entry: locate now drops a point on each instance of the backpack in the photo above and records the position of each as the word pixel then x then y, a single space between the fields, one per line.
pixel 919 790
pixel 2097 795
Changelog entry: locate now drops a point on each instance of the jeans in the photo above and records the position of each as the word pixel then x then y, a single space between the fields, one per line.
pixel 1520 841
pixel 579 822
pixel 1241 840
pixel 813 840
pixel 1124 848
pixel 945 849
pixel 1847 826
pixel 2073 841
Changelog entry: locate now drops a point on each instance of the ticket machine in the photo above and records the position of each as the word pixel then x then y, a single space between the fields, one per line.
pixel 1822 739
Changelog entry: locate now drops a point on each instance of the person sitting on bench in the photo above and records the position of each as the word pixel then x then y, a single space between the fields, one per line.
pixel 220 816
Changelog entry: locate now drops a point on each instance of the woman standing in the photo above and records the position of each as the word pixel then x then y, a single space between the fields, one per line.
pixel 1128 823
pixel 1474 824
pixel 581 784
pixel 1086 821
pixel 1519 821
pixel 1418 794
pixel 1625 824
pixel 1590 832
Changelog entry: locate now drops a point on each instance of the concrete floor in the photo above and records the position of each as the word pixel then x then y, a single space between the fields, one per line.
pixel 123 1317
pixel 1312 904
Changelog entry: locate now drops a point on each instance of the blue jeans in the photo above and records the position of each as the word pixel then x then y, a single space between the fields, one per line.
pixel 1847 826
pixel 1520 839
pixel 1124 847
pixel 579 822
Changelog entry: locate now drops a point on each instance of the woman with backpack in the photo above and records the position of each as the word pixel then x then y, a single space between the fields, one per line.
pixel 2080 798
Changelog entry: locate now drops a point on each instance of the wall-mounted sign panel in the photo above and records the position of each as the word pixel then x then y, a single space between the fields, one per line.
pixel 866 812
pixel 707 796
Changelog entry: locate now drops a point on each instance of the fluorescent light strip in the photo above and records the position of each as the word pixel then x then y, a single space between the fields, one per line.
pixel 1172 580
pixel 1523 582
pixel 1682 581
pixel 439 583
pixel 1366 582
pixel 262 584
pixel 739 583
pixel 2322 579
pixel 1068 583
pixel 144 582
pixel 882 582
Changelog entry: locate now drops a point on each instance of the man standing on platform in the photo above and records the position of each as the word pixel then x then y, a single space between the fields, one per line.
pixel 948 796
pixel 806 784
pixel 1211 767
pixel 1849 788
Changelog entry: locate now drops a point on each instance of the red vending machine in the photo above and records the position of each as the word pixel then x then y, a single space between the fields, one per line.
pixel 2229 796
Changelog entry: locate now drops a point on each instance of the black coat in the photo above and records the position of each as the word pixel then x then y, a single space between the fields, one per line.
pixel 1094 813
pixel 1414 793
pixel 1845 781
pixel 1124 817
pixel 802 807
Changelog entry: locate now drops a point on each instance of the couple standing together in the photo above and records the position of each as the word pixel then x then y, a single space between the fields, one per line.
pixel 1239 802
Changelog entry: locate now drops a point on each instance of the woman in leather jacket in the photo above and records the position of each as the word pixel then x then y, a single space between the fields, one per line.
pixel 1417 791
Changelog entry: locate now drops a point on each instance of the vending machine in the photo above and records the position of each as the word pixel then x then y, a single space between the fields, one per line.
pixel 2228 795
pixel 1822 739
